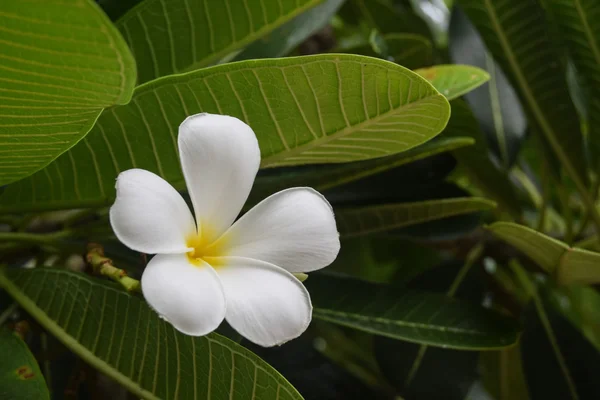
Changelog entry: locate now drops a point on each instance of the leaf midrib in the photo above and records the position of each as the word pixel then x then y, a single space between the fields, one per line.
pixel 69 341
pixel 234 44
pixel 546 128
pixel 348 130
pixel 588 32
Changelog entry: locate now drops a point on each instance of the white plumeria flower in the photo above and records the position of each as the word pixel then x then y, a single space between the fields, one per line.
pixel 208 270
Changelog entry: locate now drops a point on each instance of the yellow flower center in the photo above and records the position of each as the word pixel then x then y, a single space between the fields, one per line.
pixel 203 249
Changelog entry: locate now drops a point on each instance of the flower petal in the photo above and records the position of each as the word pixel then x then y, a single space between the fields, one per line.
pixel 294 229
pixel 265 303
pixel 149 215
pixel 220 158
pixel 188 296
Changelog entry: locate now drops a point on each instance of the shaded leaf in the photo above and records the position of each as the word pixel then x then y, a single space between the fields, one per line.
pixel 503 376
pixel 454 80
pixel 568 265
pixel 327 177
pixel 407 49
pixel 424 318
pixel 517 35
pixel 118 334
pixel 558 362
pixel 284 39
pixel 62 62
pixel 479 167
pixel 20 375
pixel 366 220
pixel 388 18
pixel 285 101
pixel 495 104
pixel 176 36
pixel 577 23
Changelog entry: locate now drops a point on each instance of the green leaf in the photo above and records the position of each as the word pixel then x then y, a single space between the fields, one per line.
pixel 20 375
pixel 323 178
pixel 407 49
pixel 568 265
pixel 284 39
pixel 359 221
pixel 176 36
pixel 503 374
pixel 495 105
pixel 425 318
pixel 388 18
pixel 557 360
pixel 454 80
pixel 476 161
pixel 62 62
pixel 578 26
pixel 317 109
pixel 517 35
pixel 118 334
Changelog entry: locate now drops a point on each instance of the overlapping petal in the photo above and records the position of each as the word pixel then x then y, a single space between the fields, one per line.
pixel 294 229
pixel 149 215
pixel 265 304
pixel 220 158
pixel 190 297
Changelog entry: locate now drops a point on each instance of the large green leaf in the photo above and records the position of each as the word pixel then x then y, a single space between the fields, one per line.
pixel 426 318
pixel 480 169
pixel 285 38
pixel 317 109
pixel 454 80
pixel 182 35
pixel 323 178
pixel 577 21
pixel 517 35
pixel 495 104
pixel 20 375
pixel 407 49
pixel 357 221
pixel 118 334
pixel 61 63
pixel 568 265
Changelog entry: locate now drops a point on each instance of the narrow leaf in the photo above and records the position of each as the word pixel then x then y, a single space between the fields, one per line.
pixel 454 80
pixel 323 178
pixel 304 110
pixel 425 318
pixel 62 62
pixel 517 35
pixel 20 375
pixel 495 104
pixel 568 265
pixel 366 220
pixel 182 35
pixel 478 165
pixel 118 334
pixel 577 21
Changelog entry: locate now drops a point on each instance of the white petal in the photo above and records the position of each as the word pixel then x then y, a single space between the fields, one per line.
pixel 265 303
pixel 220 158
pixel 188 296
pixel 149 215
pixel 294 229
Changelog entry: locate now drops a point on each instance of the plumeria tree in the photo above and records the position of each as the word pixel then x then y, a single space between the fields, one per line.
pixel 319 199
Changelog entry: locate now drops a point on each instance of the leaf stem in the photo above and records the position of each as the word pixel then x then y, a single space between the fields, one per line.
pixel 104 266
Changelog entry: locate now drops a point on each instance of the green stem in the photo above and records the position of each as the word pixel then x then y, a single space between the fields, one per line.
pixel 545 176
pixel 35 238
pixel 104 266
